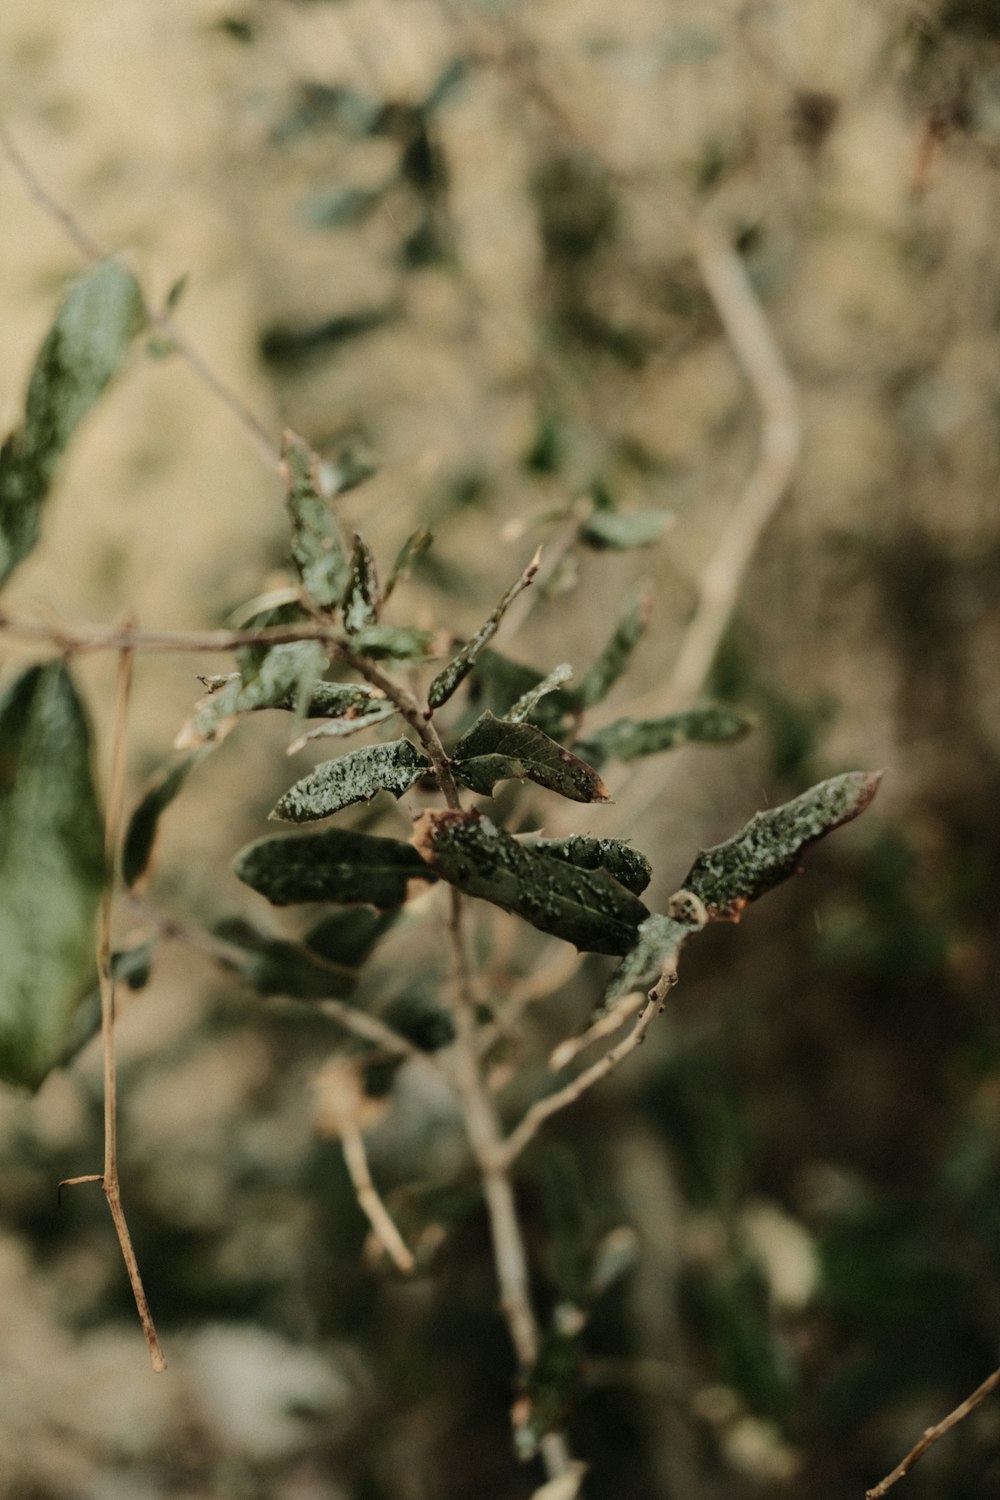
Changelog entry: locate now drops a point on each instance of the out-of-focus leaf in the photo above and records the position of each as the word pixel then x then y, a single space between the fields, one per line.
pixel 395 642
pixel 416 543
pixel 627 739
pixel 549 1391
pixel 497 750
pixel 275 966
pixel 339 728
pixel 564 1486
pixel 349 937
pixel 630 868
pixel 624 530
pixel 617 1254
pixel 317 546
pixel 361 601
pixel 51 869
pixel 288 346
pixel 140 835
pixel 175 292
pixel 419 1016
pixel 449 678
pixel 609 666
pixel 729 876
pixel 85 347
pixel 659 940
pixel 585 907
pixel 528 701
pixel 445 86
pixel 340 207
pixel 352 466
pixel 356 777
pixel 336 865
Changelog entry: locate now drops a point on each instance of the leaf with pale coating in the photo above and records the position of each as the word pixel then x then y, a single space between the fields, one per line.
pixel 451 676
pixel 393 642
pixel 277 685
pixel 658 941
pixel 94 329
pixel 51 869
pixel 336 865
pixel 529 700
pixel 630 868
pixel 585 907
pixel 729 876
pixel 627 739
pixel 317 546
pixel 362 599
pixel 497 750
pixel 356 777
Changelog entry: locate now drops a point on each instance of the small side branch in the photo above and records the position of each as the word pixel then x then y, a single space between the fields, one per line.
pixel 934 1434
pixel 388 1236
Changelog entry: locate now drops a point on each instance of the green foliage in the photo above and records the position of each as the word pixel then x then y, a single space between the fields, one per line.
pixel 335 865
pixel 628 739
pixel 51 869
pixel 86 346
pixel 451 676
pixel 353 778
pixel 317 545
pixel 140 835
pixel 496 750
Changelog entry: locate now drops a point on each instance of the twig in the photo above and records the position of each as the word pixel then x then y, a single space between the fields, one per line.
pixel 109 1177
pixel 388 1236
pixel 543 1109
pixel 80 638
pixel 606 1025
pixel 526 991
pixel 932 1434
pixel 161 321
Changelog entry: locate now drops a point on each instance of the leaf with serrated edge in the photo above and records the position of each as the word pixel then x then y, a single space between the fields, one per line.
pixel 362 599
pixel 356 777
pixel 51 869
pixel 627 739
pixel 585 907
pixel 140 835
pixel 729 876
pixel 86 346
pixel 496 750
pixel 336 865
pixel 449 678
pixel 317 546
pixel 630 868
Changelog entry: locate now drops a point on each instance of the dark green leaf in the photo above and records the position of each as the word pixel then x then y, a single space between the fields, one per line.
pixel 51 869
pixel 397 642
pixel 623 530
pixel 609 666
pixel 449 678
pixel 497 750
pixel 140 835
pixel 585 907
pixel 630 868
pixel 528 701
pixel 416 543
pixel 418 1015
pixel 356 777
pixel 317 546
pixel 86 346
pixel 275 966
pixel 361 602
pixel 626 739
pixel 729 876
pixel 349 937
pixel 175 293
pixel 336 865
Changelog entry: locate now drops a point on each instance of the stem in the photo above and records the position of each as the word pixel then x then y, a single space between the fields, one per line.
pixel 932 1434
pixel 388 1236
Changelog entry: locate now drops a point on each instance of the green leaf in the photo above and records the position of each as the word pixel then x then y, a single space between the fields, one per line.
pixel 51 869
pixel 86 346
pixel 140 835
pixel 349 706
pixel 356 777
pixel 624 530
pixel 361 602
pixel 336 865
pixel 175 292
pixel 416 543
pixel 340 728
pixel 497 750
pixel 585 907
pixel 658 939
pixel 275 966
pixel 396 642
pixel 729 876
pixel 630 868
pixel 529 700
pixel 349 936
pixel 609 666
pixel 627 739
pixel 449 678
pixel 317 546
pixel 418 1015
pixel 341 207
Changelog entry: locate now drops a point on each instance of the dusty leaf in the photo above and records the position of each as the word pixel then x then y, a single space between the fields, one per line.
pixel 341 728
pixel 86 346
pixel 729 876
pixel 278 684
pixel 356 777
pixel 627 739
pixel 416 543
pixel 449 678
pixel 51 869
pixel 362 599
pixel 630 868
pixel 140 835
pixel 585 907
pixel 337 865
pixel 497 750
pixel 393 642
pixel 598 681
pixel 657 942
pixel 317 546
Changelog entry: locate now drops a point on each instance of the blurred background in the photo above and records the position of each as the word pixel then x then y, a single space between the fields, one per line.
pixel 453 241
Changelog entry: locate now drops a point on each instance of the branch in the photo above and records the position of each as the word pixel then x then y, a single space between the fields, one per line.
pixel 386 1233
pixel 932 1434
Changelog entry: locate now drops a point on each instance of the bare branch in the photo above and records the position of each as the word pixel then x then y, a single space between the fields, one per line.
pixel 388 1236
pixel 933 1434
pixel 606 1025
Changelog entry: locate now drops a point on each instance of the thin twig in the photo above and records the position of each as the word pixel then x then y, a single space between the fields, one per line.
pixel 606 1025
pixel 161 321
pixel 388 1236
pixel 931 1435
